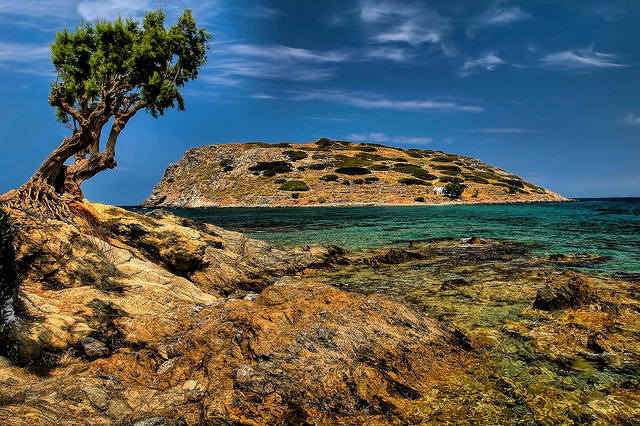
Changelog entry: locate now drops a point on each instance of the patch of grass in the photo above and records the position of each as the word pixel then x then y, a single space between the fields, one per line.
pixel 379 167
pixel 329 178
pixel 513 182
pixel 353 171
pixel 448 169
pixel 371 179
pixel 346 161
pixel 328 143
pixel 445 158
pixel 399 159
pixel 473 178
pixel 365 148
pixel 271 168
pixel 366 156
pixel 294 155
pixel 414 153
pixel 511 189
pixel 414 170
pixel 280 181
pixel 319 156
pixel 487 175
pixel 294 185
pixel 318 166
pixel 413 181
pixel 451 179
pixel 267 145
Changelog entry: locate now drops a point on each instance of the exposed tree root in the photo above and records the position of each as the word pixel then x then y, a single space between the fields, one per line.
pixel 38 197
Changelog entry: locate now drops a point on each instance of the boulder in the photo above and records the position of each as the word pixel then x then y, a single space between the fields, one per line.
pixel 569 291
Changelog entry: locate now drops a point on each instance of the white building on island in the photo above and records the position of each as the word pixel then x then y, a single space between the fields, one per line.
pixel 438 190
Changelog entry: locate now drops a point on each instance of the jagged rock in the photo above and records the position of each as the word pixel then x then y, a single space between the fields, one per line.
pixel 565 293
pixel 94 348
pixel 397 255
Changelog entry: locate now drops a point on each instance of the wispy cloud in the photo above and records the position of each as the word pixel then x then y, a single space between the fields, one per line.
pixel 391 22
pixel 632 119
pixel 488 62
pixel 580 59
pixel 369 100
pixel 94 9
pixel 286 53
pixel 382 137
pixel 394 54
pixel 26 58
pixel 496 17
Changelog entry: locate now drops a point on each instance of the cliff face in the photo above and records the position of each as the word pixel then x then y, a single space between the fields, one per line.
pixel 332 173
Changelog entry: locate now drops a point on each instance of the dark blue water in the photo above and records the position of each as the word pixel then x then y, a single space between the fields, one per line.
pixel 609 227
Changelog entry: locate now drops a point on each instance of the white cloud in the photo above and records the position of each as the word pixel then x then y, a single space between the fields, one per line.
pixel 286 53
pixel 577 59
pixel 101 9
pixel 369 100
pixel 26 58
pixel 497 16
pixel 488 62
pixel 391 22
pixel 632 119
pixel 395 54
pixel 381 137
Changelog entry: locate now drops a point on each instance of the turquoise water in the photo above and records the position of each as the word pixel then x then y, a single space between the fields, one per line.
pixel 609 227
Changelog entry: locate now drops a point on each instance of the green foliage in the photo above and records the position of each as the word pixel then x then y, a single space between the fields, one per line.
pixel 346 182
pixel 328 144
pixel 319 156
pixel 8 274
pixel 279 181
pixel 295 155
pixel 449 179
pixel 399 159
pixel 267 145
pixel 448 169
pixel 371 179
pixel 487 175
pixel 346 161
pixel 353 171
pixel 271 168
pixel 148 62
pixel 413 181
pixel 366 156
pixel 473 178
pixel 445 158
pixel 414 170
pixel 226 164
pixel 419 199
pixel 379 167
pixel 295 195
pixel 414 153
pixel 365 148
pixel 358 182
pixel 301 168
pixel 294 185
pixel 453 190
pixel 513 182
pixel 329 178
pixel 511 189
pixel 318 166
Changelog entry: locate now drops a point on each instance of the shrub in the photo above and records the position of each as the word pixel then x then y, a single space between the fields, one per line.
pixel 513 182
pixel 302 168
pixel 325 143
pixel 449 179
pixel 412 181
pixel 511 189
pixel 227 169
pixel 322 200
pixel 352 171
pixel 280 181
pixel 346 182
pixel 419 199
pixel 477 179
pixel 399 159
pixel 294 185
pixel 475 193
pixel 319 156
pixel 414 154
pixel 226 162
pixel 371 179
pixel 329 178
pixel 453 190
pixel 445 158
pixel 448 169
pixel 414 170
pixel 271 168
pixel 366 148
pixel 318 166
pixel 267 145
pixel 358 182
pixel 367 156
pixel 295 195
pixel 346 161
pixel 295 155
pixel 486 175
pixel 379 167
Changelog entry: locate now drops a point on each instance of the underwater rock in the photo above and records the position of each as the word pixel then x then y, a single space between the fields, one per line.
pixel 562 294
pixel 453 283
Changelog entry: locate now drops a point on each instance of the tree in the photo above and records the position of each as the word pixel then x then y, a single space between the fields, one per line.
pixel 107 72
pixel 453 190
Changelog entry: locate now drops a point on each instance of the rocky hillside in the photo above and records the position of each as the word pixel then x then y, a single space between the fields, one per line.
pixel 336 173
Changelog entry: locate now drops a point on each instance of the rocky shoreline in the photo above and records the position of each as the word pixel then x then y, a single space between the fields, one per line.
pixel 125 318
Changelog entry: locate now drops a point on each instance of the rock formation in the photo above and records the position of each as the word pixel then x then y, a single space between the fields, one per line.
pixel 332 173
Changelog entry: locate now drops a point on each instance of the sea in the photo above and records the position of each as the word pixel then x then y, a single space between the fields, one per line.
pixel 608 227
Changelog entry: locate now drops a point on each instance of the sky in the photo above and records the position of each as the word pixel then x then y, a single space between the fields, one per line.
pixel 546 89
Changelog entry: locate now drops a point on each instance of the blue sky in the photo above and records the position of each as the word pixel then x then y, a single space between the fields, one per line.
pixel 547 89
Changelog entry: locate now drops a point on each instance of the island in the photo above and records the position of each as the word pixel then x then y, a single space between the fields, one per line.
pixel 334 173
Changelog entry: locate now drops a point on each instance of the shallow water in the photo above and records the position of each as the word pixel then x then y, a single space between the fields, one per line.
pixel 609 227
